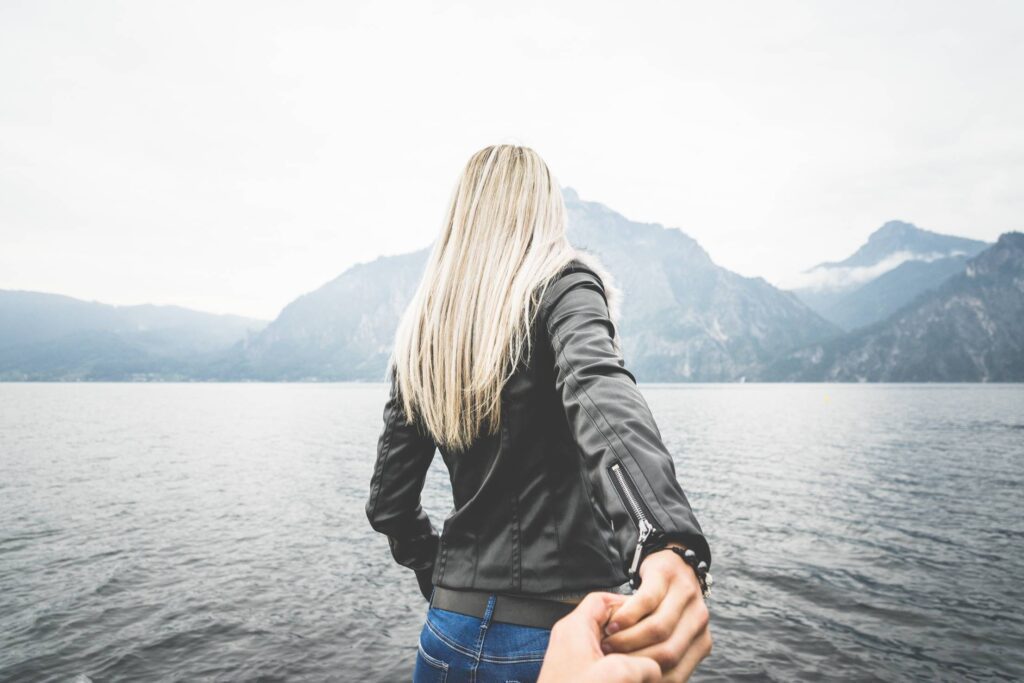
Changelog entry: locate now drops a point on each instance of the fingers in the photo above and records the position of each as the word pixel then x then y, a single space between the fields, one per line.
pixel 624 669
pixel 583 625
pixel 594 610
pixel 656 627
pixel 575 639
pixel 685 639
pixel 677 651
pixel 661 625
pixel 699 649
pixel 640 604
pixel 597 606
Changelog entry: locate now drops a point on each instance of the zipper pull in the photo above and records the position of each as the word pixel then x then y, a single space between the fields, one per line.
pixel 645 532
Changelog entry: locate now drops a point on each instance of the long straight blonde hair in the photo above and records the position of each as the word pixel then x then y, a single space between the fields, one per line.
pixel 469 323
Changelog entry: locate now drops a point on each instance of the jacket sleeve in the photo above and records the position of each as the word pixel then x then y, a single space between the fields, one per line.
pixel 630 470
pixel 404 453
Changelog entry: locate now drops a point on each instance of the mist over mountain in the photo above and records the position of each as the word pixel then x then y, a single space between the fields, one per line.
pixel 970 329
pixel 55 337
pixel 928 307
pixel 897 263
pixel 684 318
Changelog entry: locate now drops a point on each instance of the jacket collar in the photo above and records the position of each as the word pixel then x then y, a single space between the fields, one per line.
pixel 613 293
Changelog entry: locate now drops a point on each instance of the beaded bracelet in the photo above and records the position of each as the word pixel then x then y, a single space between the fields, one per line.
pixel 704 579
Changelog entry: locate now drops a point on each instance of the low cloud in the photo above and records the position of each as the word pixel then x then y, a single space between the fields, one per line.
pixel 847 277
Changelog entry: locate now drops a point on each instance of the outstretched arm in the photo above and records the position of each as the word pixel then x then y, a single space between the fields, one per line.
pixel 623 453
pixel 635 480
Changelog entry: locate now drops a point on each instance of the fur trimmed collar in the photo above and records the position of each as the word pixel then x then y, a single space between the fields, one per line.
pixel 613 293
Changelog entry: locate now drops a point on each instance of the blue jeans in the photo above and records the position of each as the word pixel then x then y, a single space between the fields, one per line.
pixel 455 647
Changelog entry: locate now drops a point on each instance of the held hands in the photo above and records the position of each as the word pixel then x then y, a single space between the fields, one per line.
pixel 665 619
pixel 574 648
pixel 660 633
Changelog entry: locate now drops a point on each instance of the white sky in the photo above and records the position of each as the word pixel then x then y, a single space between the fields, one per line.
pixel 230 156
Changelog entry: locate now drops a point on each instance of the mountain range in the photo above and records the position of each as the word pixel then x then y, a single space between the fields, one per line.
pixel 898 262
pixel 875 316
pixel 969 329
pixel 55 337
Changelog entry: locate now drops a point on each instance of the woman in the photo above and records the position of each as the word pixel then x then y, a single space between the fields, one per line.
pixel 507 360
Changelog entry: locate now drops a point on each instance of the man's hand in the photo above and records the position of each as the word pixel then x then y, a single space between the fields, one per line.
pixel 574 649
pixel 665 619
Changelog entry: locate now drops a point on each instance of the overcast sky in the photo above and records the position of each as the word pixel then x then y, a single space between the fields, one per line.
pixel 230 156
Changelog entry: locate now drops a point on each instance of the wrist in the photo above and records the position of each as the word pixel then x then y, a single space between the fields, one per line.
pixel 658 545
pixel 688 557
pixel 665 561
pixel 696 565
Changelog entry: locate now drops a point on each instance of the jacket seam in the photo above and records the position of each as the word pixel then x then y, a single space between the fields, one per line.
pixel 476 556
pixel 388 432
pixel 517 551
pixel 579 389
pixel 558 540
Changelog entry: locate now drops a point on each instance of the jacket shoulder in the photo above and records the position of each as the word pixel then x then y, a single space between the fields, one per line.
pixel 584 267
pixel 571 275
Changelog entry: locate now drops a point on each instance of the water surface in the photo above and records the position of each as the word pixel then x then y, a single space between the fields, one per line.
pixel 191 531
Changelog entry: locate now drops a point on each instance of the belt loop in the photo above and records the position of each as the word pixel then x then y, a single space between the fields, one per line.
pixel 485 621
pixel 489 612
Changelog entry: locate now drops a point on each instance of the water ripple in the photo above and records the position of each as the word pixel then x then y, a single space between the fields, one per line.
pixel 217 531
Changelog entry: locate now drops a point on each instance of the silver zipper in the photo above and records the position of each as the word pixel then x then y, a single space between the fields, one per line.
pixel 644 526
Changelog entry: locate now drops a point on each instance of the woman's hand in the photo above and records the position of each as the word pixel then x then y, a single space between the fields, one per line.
pixel 574 649
pixel 665 619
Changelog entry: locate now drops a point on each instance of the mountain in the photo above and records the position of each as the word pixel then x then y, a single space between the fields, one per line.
pixel 898 262
pixel 684 318
pixel 969 329
pixel 54 337
pixel 339 332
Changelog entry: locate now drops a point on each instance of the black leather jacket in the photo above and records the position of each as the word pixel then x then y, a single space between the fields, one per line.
pixel 558 499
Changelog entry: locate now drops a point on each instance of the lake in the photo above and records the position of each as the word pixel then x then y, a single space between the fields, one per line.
pixel 198 531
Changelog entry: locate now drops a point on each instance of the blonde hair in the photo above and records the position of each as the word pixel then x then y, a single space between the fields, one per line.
pixel 469 323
